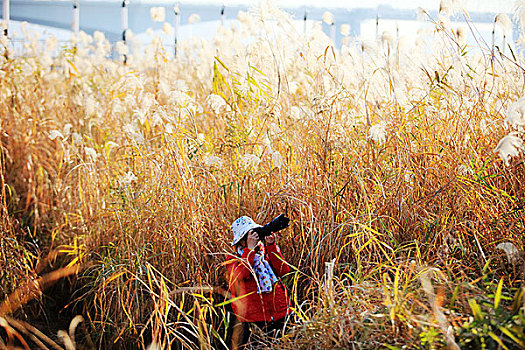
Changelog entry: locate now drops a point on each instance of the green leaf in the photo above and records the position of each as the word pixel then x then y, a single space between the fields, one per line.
pixel 391 347
pixel 486 266
pixel 233 300
pixel 221 63
pixel 497 340
pixel 476 310
pixel 497 297
pixel 517 302
pixel 454 297
pixel 512 336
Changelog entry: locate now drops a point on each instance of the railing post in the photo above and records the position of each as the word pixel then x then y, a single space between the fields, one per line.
pixel 332 32
pixel 124 18
pixel 304 20
pixel 176 27
pixel 377 25
pixel 5 9
pixel 124 23
pixel 76 17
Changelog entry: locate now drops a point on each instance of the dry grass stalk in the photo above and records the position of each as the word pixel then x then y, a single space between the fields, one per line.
pixel 33 288
pixel 140 169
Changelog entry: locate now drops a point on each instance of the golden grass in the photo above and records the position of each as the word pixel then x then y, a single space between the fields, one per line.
pixel 408 225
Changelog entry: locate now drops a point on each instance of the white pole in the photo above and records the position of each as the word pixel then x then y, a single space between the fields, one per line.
pixel 176 26
pixel 5 9
pixel 377 25
pixel 124 19
pixel 332 31
pixel 124 23
pixel 76 17
pixel 493 38
pixel 222 14
pixel 305 18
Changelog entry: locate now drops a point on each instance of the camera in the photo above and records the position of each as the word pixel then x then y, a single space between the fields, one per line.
pixel 279 223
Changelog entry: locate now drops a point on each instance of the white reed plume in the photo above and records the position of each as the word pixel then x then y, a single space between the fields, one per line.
pixel 464 170
pixel 293 86
pixel 216 103
pixel 91 106
pixel 249 161
pixel 486 125
pixel 451 7
pixel 53 134
pixel 194 18
pixel 387 39
pixel 295 113
pixel 369 47
pixel 516 115
pixel 422 14
pixel 110 145
pixel 461 34
pixel 244 18
pixel 132 131
pixel 201 138
pixel 378 132
pixel 121 48
pixel 67 129
pixel 179 98
pixel 512 253
pixel 445 6
pixel 76 137
pixel 127 179
pixel 504 22
pixel 277 159
pixel 509 146
pixel 158 14
pixel 409 178
pixel 328 17
pixel 99 36
pixel 167 28
pixel 344 29
pixel 85 39
pixel 51 43
pixel 91 152
pixel 169 129
pixel 213 161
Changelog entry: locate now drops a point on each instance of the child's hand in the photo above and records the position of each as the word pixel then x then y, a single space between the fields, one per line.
pixel 252 240
pixel 269 240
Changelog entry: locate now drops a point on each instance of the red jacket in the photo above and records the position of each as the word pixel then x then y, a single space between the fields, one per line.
pixel 253 307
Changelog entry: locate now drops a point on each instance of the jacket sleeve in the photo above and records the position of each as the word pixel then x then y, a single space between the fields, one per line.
pixel 239 268
pixel 279 265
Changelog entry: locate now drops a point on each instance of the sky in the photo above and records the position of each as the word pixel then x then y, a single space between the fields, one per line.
pixel 497 6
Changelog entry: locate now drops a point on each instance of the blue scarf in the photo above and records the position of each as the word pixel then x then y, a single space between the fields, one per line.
pixel 265 276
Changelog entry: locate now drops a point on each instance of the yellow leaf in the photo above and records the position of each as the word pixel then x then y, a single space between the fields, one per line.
pixel 497 297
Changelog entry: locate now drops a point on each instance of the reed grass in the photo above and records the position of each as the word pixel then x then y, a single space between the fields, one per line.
pixel 128 177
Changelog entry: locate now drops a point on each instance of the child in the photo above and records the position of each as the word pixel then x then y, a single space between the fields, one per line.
pixel 253 273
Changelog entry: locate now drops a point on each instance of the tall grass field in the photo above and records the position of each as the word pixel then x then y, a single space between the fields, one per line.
pixel 399 162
